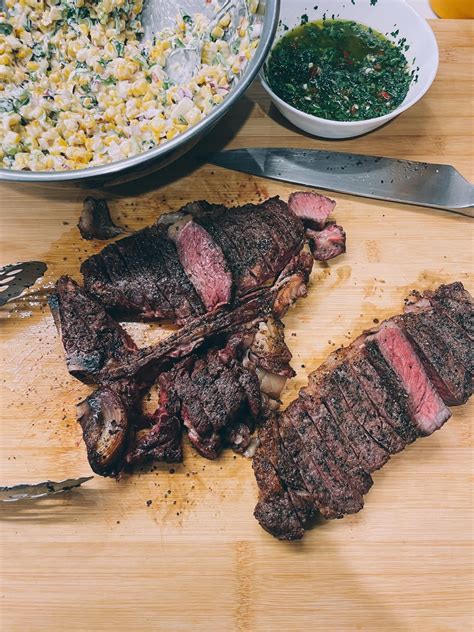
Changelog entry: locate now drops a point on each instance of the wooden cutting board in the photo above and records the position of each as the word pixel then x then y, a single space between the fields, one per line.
pixel 177 548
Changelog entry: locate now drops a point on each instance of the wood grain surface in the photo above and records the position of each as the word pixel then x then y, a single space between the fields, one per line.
pixel 178 548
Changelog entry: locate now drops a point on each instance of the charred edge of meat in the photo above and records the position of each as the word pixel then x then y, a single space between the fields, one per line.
pixel 313 208
pixel 104 421
pixel 89 335
pixel 161 442
pixel 327 243
pixel 95 221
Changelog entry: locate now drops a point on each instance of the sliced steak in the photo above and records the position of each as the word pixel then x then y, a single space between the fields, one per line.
pixel 313 208
pixel 371 455
pixel 203 261
pixel 257 240
pixel 451 379
pixel 142 275
pixel 426 407
pixel 337 442
pixel 386 394
pixel 327 243
pixel 274 511
pixel 364 411
pixel 89 335
pixel 456 302
pixel 332 491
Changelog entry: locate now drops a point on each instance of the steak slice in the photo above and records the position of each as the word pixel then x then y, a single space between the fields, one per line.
pixel 313 208
pixel 327 243
pixel 89 335
pixel 257 240
pixel 142 275
pixel 426 407
pixel 203 261
pixel 333 494
pixel 371 455
pixel 386 394
pixel 338 444
pixel 456 302
pixel 450 377
pixel 365 413
pixel 274 511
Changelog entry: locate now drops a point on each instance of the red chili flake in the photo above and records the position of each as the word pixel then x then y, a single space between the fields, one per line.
pixel 385 95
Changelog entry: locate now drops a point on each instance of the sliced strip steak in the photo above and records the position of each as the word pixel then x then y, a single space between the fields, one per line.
pixel 426 406
pixel 453 382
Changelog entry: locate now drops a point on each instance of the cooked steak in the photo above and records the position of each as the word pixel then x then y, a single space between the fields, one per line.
pixel 328 483
pixel 364 403
pixel 426 406
pixel 440 360
pixel 275 510
pixel 95 221
pixel 89 335
pixel 257 240
pixel 203 262
pixel 160 442
pixel 142 275
pixel 456 303
pixel 313 208
pixel 328 243
pixel 212 394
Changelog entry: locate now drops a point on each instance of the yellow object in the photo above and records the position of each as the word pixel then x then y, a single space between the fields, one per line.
pixel 89 92
pixel 454 9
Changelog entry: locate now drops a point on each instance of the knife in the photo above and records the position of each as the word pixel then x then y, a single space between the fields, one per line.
pixel 405 181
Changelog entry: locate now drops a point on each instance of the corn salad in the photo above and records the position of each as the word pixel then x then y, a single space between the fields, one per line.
pixel 80 87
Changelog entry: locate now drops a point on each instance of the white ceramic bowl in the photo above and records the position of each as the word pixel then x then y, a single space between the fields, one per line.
pixel 385 16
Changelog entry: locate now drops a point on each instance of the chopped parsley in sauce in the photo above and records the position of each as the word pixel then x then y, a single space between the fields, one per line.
pixel 339 70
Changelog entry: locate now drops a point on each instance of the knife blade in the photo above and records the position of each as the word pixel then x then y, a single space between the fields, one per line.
pixel 390 179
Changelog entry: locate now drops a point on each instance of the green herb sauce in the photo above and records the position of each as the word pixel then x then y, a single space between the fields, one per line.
pixel 339 70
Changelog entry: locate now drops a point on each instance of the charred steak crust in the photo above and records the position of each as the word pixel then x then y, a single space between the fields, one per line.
pixel 364 403
pixel 142 275
pixel 89 335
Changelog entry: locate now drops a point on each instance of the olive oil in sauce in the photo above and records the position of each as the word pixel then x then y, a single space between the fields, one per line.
pixel 339 70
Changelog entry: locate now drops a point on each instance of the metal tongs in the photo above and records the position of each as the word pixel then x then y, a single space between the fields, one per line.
pixel 40 490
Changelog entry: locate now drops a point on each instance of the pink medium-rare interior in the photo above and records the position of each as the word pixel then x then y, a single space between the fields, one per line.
pixel 427 408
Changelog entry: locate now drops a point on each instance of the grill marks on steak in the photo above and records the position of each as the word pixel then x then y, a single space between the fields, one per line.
pixel 89 335
pixel 142 275
pixel 438 355
pixel 211 394
pixel 205 256
pixel 257 240
pixel 363 404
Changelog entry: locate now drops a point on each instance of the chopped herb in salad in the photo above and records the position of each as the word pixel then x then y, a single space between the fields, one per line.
pixel 339 70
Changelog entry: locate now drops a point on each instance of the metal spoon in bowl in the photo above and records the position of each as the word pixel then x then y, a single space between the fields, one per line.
pixel 182 63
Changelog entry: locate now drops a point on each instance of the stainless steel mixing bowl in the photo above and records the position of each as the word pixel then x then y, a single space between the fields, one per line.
pixel 156 15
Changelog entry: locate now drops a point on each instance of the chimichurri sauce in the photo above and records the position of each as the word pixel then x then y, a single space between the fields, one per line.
pixel 339 70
